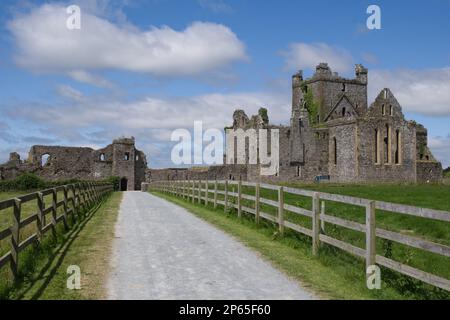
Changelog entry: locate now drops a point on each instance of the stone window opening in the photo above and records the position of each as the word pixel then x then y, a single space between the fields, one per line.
pixel 126 156
pixel 335 151
pixel 343 111
pixel 298 171
pixel 387 145
pixel 391 110
pixel 344 87
pixel 383 110
pixel 102 157
pixel 398 147
pixel 137 157
pixel 45 160
pixel 377 146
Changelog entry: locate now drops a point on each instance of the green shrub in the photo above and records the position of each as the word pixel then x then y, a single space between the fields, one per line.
pixel 115 181
pixel 29 181
pixel 447 172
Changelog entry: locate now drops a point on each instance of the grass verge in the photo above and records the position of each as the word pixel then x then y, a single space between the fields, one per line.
pixel 331 275
pixel 87 245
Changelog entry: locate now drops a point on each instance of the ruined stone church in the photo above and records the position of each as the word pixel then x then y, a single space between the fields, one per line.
pixel 335 135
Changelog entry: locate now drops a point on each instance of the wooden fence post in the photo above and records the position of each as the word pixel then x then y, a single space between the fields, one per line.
pixel 322 212
pixel 54 208
pixel 215 193
pixel 370 234
pixel 76 190
pixel 315 223
pixel 193 191
pixel 206 192
pixel 40 216
pixel 239 200
pixel 15 237
pixel 281 210
pixel 65 207
pixel 74 202
pixel 257 203
pixel 199 191
pixel 225 208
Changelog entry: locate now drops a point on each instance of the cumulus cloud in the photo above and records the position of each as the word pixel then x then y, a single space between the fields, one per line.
pixel 309 55
pixel 44 43
pixel 215 110
pixel 424 92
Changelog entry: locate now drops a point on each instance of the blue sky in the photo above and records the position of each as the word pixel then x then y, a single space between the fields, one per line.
pixel 145 68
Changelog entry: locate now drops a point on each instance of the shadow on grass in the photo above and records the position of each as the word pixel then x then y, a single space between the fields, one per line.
pixel 55 259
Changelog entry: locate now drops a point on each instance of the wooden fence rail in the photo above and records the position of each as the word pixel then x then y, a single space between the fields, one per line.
pixel 76 200
pixel 192 190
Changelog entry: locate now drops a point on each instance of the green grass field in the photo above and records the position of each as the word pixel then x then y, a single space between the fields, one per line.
pixel 429 196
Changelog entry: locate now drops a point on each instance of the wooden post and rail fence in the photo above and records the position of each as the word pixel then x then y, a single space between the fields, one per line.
pixel 192 190
pixel 74 200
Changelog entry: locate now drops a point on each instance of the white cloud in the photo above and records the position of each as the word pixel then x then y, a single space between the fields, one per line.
pixel 308 56
pixel 424 92
pixel 92 79
pixel 69 92
pixel 215 110
pixel 44 43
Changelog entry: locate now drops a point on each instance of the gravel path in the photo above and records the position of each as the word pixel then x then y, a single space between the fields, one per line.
pixel 161 251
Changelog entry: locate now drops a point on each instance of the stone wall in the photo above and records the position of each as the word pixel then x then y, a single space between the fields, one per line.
pixel 53 163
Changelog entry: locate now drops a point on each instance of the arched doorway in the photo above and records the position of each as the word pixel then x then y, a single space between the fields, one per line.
pixel 123 184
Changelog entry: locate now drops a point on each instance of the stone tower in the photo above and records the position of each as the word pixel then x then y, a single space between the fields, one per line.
pixel 124 161
pixel 338 97
pixel 299 118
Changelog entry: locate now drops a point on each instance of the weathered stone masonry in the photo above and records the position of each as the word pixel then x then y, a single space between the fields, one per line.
pixel 121 158
pixel 334 133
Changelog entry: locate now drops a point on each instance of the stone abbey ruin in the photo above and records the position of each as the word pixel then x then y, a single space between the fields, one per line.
pixel 121 159
pixel 333 135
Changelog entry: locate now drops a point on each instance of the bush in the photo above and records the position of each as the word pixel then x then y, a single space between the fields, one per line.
pixel 447 172
pixel 29 181
pixel 115 181
pixel 26 181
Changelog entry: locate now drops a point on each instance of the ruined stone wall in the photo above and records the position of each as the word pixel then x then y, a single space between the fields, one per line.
pixel 222 172
pixel 120 158
pixel 342 146
pixel 385 125
pixel 140 169
pixel 62 163
pixel 429 172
